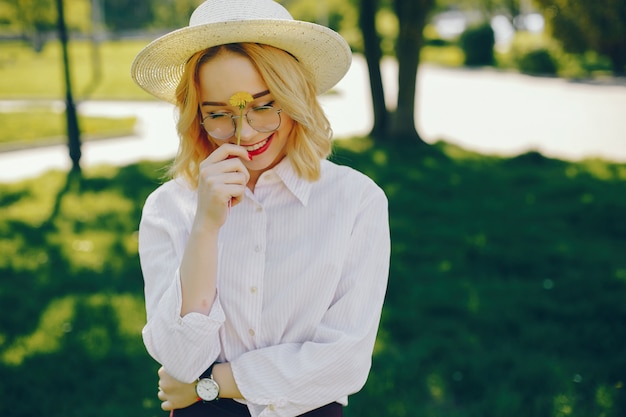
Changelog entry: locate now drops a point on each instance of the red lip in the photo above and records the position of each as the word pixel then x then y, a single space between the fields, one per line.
pixel 262 149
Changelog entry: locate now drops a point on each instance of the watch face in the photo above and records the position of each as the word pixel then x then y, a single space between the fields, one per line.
pixel 207 389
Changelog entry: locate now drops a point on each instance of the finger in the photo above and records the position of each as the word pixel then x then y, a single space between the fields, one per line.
pixel 235 178
pixel 166 406
pixel 209 171
pixel 228 150
pixel 223 187
pixel 235 194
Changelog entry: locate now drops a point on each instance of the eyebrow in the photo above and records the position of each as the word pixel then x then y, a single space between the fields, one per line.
pixel 218 103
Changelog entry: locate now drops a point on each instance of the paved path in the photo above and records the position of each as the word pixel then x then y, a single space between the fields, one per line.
pixel 486 110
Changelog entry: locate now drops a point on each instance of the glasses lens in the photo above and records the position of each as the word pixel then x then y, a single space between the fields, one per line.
pixel 264 118
pixel 219 126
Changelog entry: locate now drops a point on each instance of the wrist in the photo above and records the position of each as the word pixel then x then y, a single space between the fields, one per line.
pixel 205 226
pixel 207 389
pixel 223 375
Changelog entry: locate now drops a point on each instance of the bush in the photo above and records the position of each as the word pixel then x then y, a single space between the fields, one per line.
pixel 539 54
pixel 477 43
pixel 537 62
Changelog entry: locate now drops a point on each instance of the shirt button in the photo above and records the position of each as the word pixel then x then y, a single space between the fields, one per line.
pixel 251 331
pixel 271 407
pixel 259 209
pixel 253 290
pixel 258 248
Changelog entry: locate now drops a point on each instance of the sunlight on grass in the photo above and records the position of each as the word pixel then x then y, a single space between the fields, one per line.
pixel 604 398
pixel 57 322
pixel 130 312
pixel 356 145
pixel 449 56
pixel 436 388
pixel 54 322
pixel 597 168
pixel 102 207
pixel 563 406
pixel 456 152
pixel 85 249
pixel 41 125
pixel 18 255
pixel 97 215
pixel 28 74
pixel 31 201
pixel 380 158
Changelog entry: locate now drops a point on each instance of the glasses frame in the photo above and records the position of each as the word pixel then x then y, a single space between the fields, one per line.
pixel 234 117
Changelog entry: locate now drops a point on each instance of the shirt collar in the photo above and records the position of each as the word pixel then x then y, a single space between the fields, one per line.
pixel 299 187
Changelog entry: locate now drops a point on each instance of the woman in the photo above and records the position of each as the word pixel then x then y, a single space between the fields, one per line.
pixel 265 265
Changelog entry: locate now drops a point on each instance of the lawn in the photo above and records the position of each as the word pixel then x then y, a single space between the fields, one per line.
pixel 29 75
pixel 26 74
pixel 506 292
pixel 38 126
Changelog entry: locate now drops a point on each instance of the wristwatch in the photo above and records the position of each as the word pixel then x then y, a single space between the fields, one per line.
pixel 206 387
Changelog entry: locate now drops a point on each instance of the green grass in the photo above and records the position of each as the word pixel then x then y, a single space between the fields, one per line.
pixel 448 56
pixel 26 74
pixel 40 126
pixel 506 291
pixel 29 75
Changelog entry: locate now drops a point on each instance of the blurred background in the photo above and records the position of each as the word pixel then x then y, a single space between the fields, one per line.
pixel 496 128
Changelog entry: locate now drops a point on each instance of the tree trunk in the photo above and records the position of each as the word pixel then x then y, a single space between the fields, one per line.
pixel 373 55
pixel 412 18
pixel 73 132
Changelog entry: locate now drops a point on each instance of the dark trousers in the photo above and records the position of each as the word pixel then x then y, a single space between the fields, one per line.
pixel 230 408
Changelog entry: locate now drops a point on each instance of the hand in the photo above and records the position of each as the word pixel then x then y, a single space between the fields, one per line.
pixel 221 183
pixel 173 393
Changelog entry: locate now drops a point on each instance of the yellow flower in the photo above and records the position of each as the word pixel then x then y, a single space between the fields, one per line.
pixel 240 99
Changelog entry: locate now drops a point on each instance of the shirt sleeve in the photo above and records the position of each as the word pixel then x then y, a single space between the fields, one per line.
pixel 162 238
pixel 291 379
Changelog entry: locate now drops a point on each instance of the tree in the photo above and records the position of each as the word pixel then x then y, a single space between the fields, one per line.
pixel 373 55
pixel 411 14
pixel 583 25
pixel 73 131
pixel 127 15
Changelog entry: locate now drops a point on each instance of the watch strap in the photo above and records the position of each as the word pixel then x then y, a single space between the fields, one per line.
pixel 208 373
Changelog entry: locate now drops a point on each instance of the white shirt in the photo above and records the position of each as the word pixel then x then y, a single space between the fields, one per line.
pixel 302 276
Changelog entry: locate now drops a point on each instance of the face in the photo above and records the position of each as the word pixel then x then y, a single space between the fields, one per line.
pixel 227 74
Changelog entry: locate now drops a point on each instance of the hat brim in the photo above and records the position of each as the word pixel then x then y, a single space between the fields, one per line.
pixel 158 67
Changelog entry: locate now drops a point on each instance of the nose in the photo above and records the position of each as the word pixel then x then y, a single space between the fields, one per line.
pixel 247 132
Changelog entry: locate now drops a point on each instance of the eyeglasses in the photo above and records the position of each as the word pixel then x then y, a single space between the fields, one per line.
pixel 222 126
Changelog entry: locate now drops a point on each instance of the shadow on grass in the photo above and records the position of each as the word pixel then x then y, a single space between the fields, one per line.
pixel 506 292
pixel 70 344
pixel 507 285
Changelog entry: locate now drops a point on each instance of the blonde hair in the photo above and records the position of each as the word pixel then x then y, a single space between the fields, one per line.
pixel 309 141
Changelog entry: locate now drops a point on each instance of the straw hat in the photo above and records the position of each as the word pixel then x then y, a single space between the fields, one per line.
pixel 159 66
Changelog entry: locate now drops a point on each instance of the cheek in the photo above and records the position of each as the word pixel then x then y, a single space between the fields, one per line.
pixel 287 130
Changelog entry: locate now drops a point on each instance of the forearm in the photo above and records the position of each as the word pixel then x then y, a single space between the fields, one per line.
pixel 177 394
pixel 198 270
pixel 223 375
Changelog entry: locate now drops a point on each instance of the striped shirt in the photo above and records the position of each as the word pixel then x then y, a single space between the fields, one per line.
pixel 302 276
